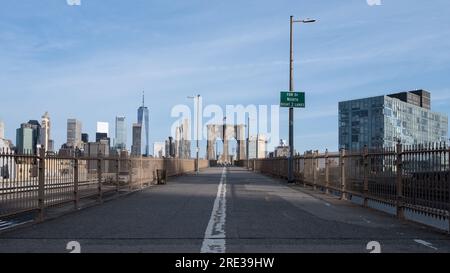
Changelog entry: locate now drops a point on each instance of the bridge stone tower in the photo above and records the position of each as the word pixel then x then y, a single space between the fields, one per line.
pixel 226 132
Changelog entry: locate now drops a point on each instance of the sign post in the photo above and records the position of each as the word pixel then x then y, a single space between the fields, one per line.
pixel 291 100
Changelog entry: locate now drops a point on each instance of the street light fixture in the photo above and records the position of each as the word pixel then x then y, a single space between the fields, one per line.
pixel 197 167
pixel 291 89
pixel 306 21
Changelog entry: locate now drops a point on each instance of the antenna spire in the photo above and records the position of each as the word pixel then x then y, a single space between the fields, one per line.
pixel 143 98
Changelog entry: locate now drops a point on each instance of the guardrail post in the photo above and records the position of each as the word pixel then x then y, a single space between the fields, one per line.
pixel 448 189
pixel 76 197
pixel 130 174
pixel 99 178
pixel 366 176
pixel 296 168
pixel 314 166
pixel 280 168
pixel 304 170
pixel 327 173
pixel 41 188
pixel 277 171
pixel 343 175
pixel 141 174
pixel 117 174
pixel 399 180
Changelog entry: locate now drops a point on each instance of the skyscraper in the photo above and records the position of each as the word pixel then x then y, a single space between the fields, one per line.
pixel 74 133
pixel 36 127
pixel 282 150
pixel 101 136
pixel 183 140
pixel 2 130
pixel 121 133
pixel 24 139
pixel 102 132
pixel 85 138
pixel 186 139
pixel 103 127
pixel 45 140
pixel 136 147
pixel 257 146
pixel 170 147
pixel 5 146
pixel 143 120
pixel 381 121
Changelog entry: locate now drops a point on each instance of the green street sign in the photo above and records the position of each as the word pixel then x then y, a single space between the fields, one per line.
pixel 292 99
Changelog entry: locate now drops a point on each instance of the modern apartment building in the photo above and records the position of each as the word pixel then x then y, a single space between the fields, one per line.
pixel 383 120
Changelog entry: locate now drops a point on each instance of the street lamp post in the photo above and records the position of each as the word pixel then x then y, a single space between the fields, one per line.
pixel 248 137
pixel 257 143
pixel 248 142
pixel 291 89
pixel 197 167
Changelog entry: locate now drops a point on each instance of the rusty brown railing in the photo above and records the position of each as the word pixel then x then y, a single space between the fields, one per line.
pixel 409 178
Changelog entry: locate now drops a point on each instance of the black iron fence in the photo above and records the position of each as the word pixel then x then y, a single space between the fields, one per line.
pixel 34 183
pixel 409 178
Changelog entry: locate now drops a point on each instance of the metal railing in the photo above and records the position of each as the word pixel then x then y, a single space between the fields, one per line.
pixel 34 183
pixel 414 178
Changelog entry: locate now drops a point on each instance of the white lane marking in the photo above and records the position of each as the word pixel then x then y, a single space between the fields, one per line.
pixel 4 225
pixel 214 241
pixel 328 204
pixel 425 243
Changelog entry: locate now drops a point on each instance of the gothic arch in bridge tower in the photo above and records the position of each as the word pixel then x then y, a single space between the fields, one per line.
pixel 226 132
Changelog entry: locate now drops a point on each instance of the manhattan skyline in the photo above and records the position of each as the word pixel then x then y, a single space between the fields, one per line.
pixel 73 61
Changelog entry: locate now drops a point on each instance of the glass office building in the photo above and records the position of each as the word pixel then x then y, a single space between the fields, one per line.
pixel 121 133
pixel 74 128
pixel 381 121
pixel 24 139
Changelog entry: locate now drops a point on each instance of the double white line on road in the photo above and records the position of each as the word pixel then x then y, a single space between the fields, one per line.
pixel 214 241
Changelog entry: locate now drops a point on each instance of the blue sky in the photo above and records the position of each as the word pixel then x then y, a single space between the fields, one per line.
pixel 91 62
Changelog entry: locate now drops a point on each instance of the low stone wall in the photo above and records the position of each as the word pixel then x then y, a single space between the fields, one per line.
pixel 145 169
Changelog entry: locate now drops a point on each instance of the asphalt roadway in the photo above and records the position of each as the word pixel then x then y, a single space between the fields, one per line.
pixel 226 210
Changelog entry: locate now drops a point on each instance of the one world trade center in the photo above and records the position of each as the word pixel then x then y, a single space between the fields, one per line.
pixel 143 120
